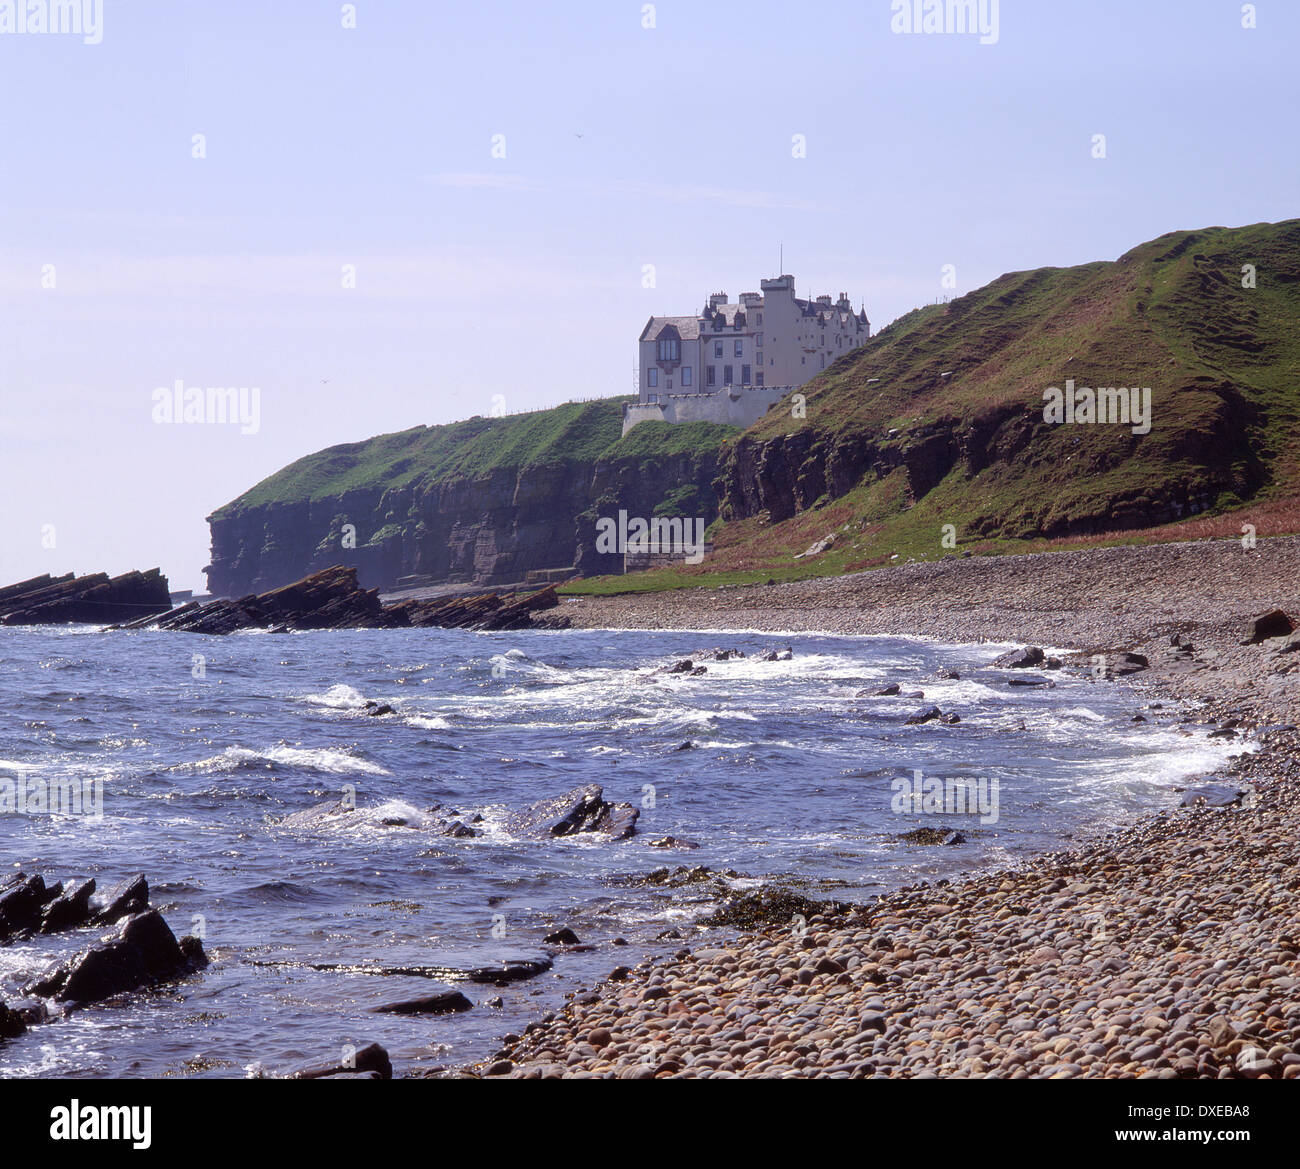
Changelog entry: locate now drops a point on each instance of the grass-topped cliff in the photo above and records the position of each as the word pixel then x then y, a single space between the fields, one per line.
pixel 574 432
pixel 938 420
pixel 484 499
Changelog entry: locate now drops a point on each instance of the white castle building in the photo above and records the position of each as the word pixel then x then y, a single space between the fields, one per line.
pixel 732 362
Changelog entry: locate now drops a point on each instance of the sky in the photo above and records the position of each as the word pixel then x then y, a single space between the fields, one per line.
pixel 406 212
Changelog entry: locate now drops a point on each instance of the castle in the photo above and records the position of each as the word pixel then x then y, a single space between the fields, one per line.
pixel 732 362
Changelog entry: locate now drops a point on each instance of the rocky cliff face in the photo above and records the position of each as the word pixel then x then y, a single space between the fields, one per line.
pixel 490 528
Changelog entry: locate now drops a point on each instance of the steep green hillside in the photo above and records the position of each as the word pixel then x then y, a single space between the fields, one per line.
pixel 939 419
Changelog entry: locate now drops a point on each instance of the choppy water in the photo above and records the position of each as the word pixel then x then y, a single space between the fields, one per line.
pixel 789 776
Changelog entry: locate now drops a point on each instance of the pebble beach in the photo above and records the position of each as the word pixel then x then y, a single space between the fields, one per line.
pixel 1167 948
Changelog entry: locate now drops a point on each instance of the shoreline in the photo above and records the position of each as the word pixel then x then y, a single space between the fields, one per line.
pixel 1167 948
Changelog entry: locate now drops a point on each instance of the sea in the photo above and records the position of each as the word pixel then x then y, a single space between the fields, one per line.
pixel 786 772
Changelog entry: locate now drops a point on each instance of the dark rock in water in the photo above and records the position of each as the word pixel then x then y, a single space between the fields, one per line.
pixel 924 716
pixel 948 675
pixel 919 695
pixel 890 691
pixel 11 1023
pixel 22 901
pixel 584 809
pixel 1213 795
pixel 695 673
pixel 446 1003
pixel 70 909
pixel 673 842
pixel 484 611
pixel 512 970
pixel 774 655
pixel 1020 659
pixel 1053 664
pixel 124 898
pixel 459 830
pixel 1032 680
pixel 371 1059
pixel 518 614
pixel 685 666
pixel 1274 623
pixel 933 836
pixel 1139 718
pixel 562 937
pixel 333 599
pixel 725 655
pixel 378 711
pixel 143 951
pixel 330 599
pixel 93 600
pixel 686 746
pixel 950 718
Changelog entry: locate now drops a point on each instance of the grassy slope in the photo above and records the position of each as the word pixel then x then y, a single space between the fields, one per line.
pixel 1170 314
pixel 574 432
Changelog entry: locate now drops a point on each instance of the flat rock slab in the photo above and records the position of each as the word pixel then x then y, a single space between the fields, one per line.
pixel 447 1003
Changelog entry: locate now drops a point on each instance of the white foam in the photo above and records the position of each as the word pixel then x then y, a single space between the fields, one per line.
pixel 339 697
pixel 318 758
pixel 428 724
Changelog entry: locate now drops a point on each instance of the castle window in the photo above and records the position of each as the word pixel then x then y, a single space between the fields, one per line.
pixel 760 320
pixel 717 349
pixel 740 349
pixel 760 377
pixel 670 349
pixel 711 377
pixel 727 375
pixel 652 378
pixel 686 375
pixel 744 375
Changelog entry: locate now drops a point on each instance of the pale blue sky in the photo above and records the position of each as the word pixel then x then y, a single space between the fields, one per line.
pixel 521 276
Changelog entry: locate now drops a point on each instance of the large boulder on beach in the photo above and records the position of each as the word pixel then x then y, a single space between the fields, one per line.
pixel 584 809
pixel 1274 623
